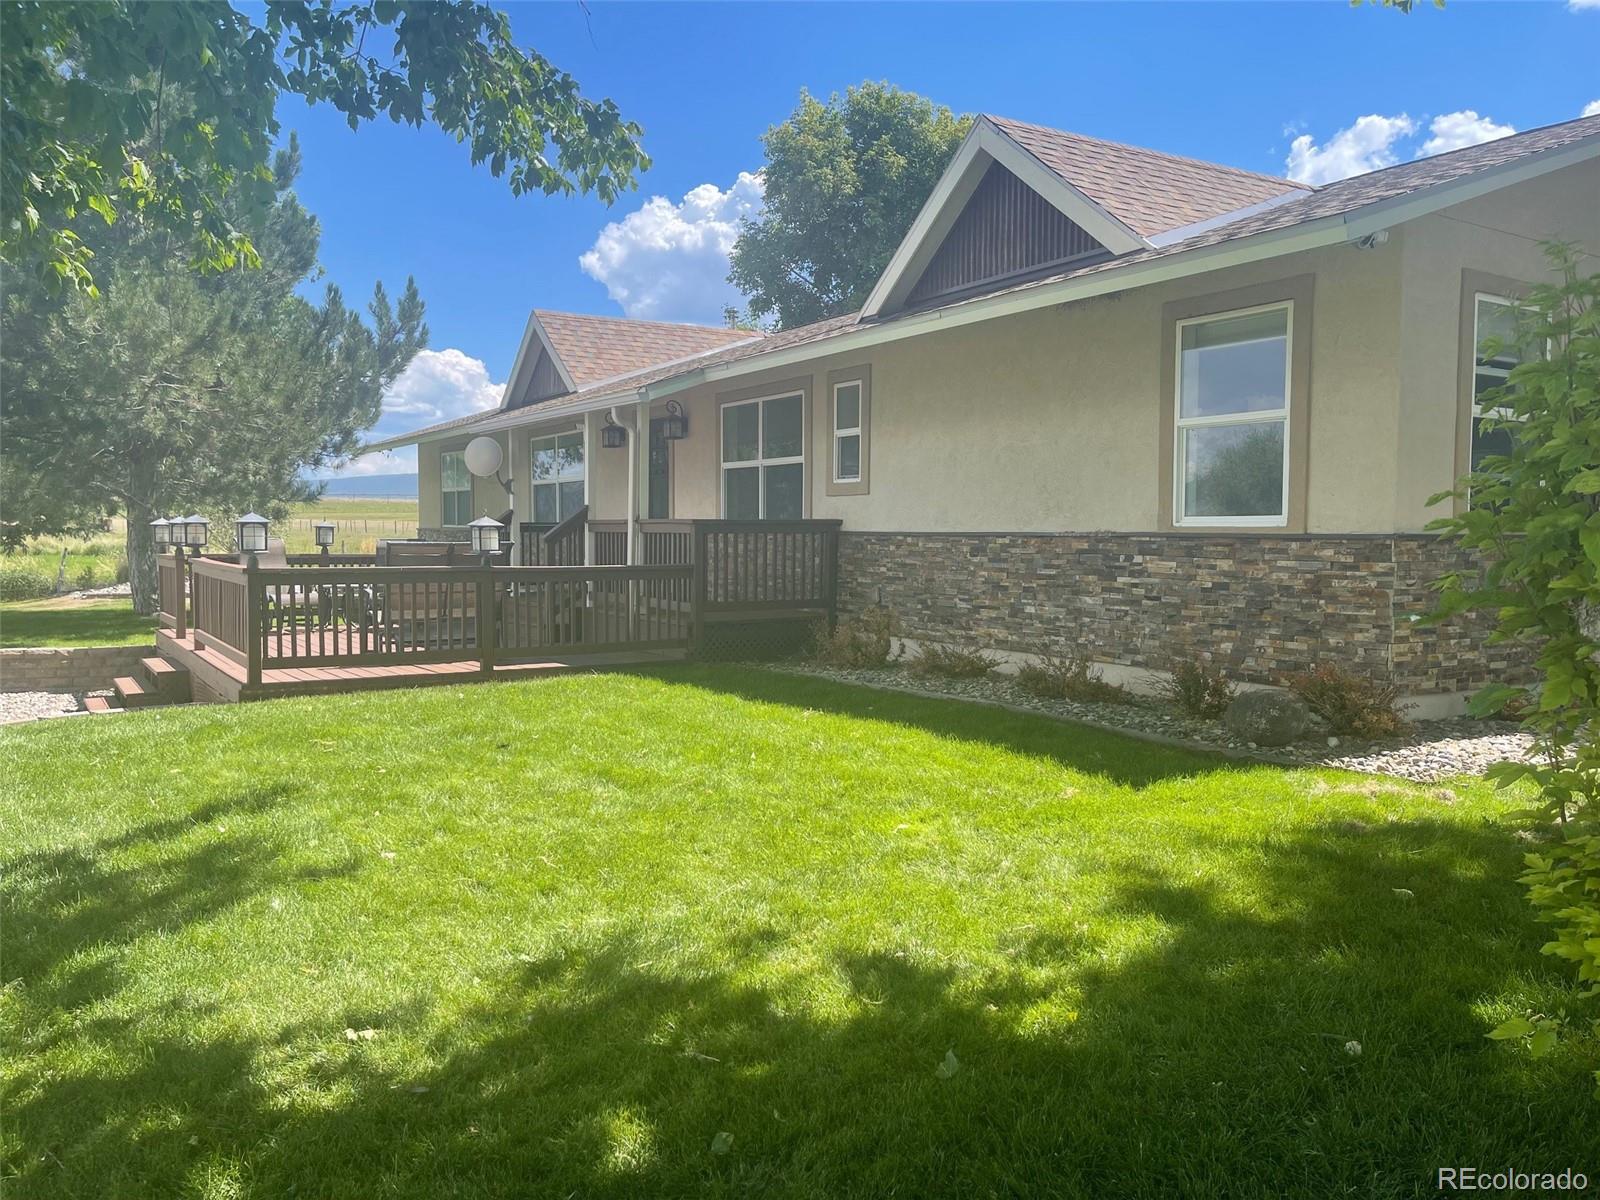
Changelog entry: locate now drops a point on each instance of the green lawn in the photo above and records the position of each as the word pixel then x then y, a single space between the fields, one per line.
pixel 560 937
pixel 64 622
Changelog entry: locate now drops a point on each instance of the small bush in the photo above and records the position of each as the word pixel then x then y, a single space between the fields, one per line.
pixel 1069 678
pixel 865 641
pixel 20 583
pixel 86 578
pixel 1199 689
pixel 121 573
pixel 1351 704
pixel 953 663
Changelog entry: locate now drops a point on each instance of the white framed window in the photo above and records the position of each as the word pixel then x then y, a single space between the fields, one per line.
pixel 763 458
pixel 1492 316
pixel 1231 458
pixel 557 474
pixel 847 432
pixel 455 488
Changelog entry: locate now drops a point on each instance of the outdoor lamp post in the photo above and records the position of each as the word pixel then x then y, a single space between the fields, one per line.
pixel 485 537
pixel 675 425
pixel 196 531
pixel 161 533
pixel 251 533
pixel 612 435
pixel 324 531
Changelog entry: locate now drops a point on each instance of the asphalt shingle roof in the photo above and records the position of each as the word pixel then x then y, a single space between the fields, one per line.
pixel 1148 191
pixel 595 348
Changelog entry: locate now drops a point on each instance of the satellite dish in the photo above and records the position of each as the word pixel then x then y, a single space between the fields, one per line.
pixel 483 456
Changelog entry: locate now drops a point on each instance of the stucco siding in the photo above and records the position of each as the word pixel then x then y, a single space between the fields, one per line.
pixel 1497 235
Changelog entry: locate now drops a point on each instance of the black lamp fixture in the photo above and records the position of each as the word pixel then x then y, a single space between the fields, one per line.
pixel 161 533
pixel 196 531
pixel 250 533
pixel 324 532
pixel 675 425
pixel 612 435
pixel 485 535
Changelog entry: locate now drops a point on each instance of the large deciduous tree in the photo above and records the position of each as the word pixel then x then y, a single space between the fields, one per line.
pixel 176 391
pixel 843 180
pixel 167 110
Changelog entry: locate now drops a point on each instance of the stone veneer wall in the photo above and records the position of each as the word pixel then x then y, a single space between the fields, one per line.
pixel 1262 606
pixel 67 669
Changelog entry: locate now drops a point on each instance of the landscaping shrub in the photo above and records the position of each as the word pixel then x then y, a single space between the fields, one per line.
pixel 21 583
pixel 1068 678
pixel 1350 703
pixel 85 578
pixel 1199 689
pixel 120 575
pixel 953 663
pixel 864 641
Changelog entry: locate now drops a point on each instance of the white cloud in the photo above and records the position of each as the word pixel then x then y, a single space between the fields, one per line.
pixel 1591 109
pixel 437 385
pixel 669 262
pixel 1452 131
pixel 1580 5
pixel 1365 146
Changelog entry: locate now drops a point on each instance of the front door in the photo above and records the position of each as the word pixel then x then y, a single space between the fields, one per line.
pixel 660 471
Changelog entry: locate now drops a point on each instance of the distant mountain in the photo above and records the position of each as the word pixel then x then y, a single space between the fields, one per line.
pixel 373 485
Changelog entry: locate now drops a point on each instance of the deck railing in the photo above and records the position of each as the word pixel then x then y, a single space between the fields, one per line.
pixel 661 543
pixel 332 613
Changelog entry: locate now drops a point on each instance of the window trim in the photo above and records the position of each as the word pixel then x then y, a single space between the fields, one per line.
pixel 558 478
pixel 1182 424
pixel 760 462
pixel 1495 287
pixel 1297 294
pixel 444 491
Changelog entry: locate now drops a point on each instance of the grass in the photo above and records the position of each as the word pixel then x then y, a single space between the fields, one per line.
pixel 62 621
pixel 560 937
pixel 359 523
pixel 90 562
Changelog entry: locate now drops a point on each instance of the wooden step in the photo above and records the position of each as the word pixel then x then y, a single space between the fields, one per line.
pixel 132 693
pixel 97 704
pixel 167 680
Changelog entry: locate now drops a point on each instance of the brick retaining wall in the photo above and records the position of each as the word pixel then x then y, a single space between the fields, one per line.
pixel 67 668
pixel 1262 606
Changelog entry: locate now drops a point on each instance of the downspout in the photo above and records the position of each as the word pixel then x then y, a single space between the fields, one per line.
pixel 630 425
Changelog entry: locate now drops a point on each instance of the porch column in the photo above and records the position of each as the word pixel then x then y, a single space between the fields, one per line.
pixel 591 443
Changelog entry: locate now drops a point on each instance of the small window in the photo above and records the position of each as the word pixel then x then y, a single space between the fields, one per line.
pixel 1232 423
pixel 1496 317
pixel 455 488
pixel 847 432
pixel 557 477
pixel 763 459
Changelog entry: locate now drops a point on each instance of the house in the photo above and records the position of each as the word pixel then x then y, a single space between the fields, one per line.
pixel 1103 398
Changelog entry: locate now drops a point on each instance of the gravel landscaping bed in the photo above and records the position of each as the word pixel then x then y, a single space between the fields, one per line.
pixel 112 591
pixel 1434 750
pixel 30 706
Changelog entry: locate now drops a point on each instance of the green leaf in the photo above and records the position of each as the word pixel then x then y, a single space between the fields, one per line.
pixel 950 1065
pixel 1515 1027
pixel 1542 1042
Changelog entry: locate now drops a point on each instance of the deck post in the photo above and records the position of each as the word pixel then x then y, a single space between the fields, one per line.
pixel 488 621
pixel 831 560
pixel 697 588
pixel 252 622
pixel 181 617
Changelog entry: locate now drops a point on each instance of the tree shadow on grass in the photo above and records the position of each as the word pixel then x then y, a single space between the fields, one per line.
pixel 1118 758
pixel 1191 1039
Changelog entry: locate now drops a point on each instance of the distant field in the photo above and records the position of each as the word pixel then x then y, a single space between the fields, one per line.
pixel 98 561
pixel 358 523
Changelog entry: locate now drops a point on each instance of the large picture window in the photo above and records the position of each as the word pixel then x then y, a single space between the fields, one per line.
pixel 455 489
pixel 1492 316
pixel 557 476
pixel 763 459
pixel 1232 427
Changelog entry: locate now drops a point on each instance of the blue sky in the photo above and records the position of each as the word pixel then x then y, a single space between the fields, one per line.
pixel 1236 83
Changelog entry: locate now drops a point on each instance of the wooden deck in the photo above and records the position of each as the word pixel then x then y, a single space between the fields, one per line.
pixel 245 632
pixel 216 677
